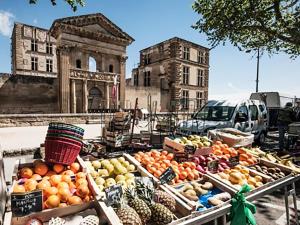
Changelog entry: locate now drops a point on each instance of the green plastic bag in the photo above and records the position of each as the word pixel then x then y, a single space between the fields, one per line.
pixel 241 212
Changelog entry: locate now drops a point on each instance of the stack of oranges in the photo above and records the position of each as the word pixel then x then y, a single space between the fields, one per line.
pixel 61 185
pixel 224 152
pixel 157 162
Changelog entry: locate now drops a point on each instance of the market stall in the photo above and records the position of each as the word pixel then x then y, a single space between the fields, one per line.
pixel 193 180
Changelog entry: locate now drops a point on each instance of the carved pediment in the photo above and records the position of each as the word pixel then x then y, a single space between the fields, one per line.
pixel 92 25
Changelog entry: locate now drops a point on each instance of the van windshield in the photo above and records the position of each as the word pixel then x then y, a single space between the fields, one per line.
pixel 215 113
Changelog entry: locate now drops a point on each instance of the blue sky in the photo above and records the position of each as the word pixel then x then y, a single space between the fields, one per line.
pixel 232 73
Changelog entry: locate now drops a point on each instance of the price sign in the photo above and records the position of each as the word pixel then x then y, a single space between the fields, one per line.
pixel 167 176
pixel 23 204
pixel 190 149
pixel 233 161
pixel 213 166
pixel 113 194
pixel 181 156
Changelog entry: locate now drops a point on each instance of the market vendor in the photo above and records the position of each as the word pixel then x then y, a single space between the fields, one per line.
pixel 285 117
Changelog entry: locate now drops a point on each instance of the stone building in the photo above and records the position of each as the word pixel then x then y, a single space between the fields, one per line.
pixel 82 59
pixel 176 68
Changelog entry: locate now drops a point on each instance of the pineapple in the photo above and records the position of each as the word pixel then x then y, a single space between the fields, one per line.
pixel 128 216
pixel 165 199
pixel 159 213
pixel 138 204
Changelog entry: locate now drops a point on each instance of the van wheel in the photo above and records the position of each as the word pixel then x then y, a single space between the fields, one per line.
pixel 262 138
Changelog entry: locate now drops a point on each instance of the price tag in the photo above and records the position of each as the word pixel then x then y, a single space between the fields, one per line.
pixel 213 166
pixel 113 194
pixel 233 161
pixel 181 156
pixel 23 204
pixel 167 176
pixel 190 149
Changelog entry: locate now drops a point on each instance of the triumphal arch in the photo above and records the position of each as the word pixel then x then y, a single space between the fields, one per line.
pixel 82 41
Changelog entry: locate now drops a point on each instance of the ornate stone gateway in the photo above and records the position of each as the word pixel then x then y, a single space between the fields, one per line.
pixel 78 39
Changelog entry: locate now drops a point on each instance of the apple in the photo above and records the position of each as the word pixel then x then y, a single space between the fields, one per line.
pixel 200 169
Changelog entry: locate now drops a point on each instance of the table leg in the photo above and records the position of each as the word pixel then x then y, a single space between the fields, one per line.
pixel 216 221
pixel 286 199
pixel 295 203
pixel 223 220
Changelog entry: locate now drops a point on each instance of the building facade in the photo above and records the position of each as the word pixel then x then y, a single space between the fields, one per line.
pixel 83 56
pixel 179 69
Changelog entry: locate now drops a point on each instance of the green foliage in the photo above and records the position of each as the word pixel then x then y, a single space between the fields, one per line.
pixel 73 3
pixel 271 25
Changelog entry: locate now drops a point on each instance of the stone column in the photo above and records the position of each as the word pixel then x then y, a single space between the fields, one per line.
pixel 122 80
pixel 73 97
pixel 107 94
pixel 64 79
pixel 84 97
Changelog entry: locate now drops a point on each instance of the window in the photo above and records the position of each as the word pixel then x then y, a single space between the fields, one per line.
pixel 34 63
pixel 242 114
pixel 49 48
pixel 186 53
pixel 147 79
pixel 199 98
pixel 200 78
pixel 136 79
pixel 49 65
pixel 215 113
pixel 161 49
pixel 33 45
pixel 185 75
pixel 78 64
pixel 253 112
pixel 185 99
pixel 147 59
pixel 201 57
pixel 111 68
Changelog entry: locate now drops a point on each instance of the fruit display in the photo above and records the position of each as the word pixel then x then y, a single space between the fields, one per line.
pixel 285 162
pixel 107 172
pixel 194 140
pixel 61 185
pixel 204 193
pixel 145 205
pixel 223 151
pixel 157 162
pixel 203 161
pixel 240 175
pixel 271 171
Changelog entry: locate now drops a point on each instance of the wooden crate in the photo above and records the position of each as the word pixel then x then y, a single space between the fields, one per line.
pixel 46 215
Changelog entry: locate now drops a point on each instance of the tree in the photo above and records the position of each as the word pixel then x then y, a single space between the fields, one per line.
pixel 271 25
pixel 73 3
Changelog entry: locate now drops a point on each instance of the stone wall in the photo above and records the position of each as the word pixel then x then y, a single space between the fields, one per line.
pixel 21 120
pixel 28 94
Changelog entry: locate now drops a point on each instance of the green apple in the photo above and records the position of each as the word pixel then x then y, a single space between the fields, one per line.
pixel 99 180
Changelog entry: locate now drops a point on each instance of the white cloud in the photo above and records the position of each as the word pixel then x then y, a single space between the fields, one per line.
pixel 6 23
pixel 35 21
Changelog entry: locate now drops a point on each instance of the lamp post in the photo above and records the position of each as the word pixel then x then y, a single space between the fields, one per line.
pixel 257 70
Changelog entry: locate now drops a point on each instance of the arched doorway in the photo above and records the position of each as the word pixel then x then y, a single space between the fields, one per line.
pixel 92 64
pixel 94 100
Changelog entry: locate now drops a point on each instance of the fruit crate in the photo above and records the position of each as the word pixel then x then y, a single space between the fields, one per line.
pixel 217 186
pixel 46 214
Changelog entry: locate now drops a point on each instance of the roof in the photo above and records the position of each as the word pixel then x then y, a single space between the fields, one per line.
pixel 173 39
pixel 75 20
pixel 27 25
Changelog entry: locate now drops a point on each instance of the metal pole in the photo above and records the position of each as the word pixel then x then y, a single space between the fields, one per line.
pixel 257 70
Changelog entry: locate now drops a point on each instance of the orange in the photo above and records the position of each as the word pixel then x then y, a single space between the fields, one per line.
pixel 218 142
pixel 43 185
pixel 50 191
pixel 81 181
pixel 72 185
pixel 75 167
pixel 26 172
pixel 41 168
pixel 62 185
pixel 68 172
pixel 243 157
pixel 66 178
pixel 36 177
pixel 58 168
pixel 183 175
pixel 87 198
pixel 170 156
pixel 82 191
pixel 80 175
pixel 164 152
pixel 74 200
pixel 64 194
pixel 157 173
pixel 62 205
pixel 52 201
pixel 55 180
pixel 30 185
pixel 18 188
pixel 191 176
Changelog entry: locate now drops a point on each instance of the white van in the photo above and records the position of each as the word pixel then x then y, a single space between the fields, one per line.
pixel 247 116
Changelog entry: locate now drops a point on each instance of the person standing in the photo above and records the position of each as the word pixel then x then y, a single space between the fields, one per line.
pixel 285 117
pixel 297 111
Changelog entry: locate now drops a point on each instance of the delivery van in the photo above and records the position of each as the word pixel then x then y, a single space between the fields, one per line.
pixel 246 115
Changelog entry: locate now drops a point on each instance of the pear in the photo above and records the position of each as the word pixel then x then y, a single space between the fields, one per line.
pixel 130 168
pixel 96 164
pixel 99 181
pixel 103 172
pixel 129 176
pixel 119 178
